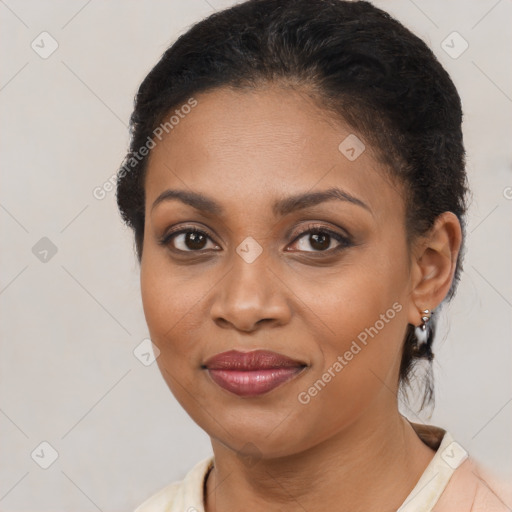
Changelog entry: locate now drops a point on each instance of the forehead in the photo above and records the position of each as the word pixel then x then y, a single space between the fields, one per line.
pixel 252 146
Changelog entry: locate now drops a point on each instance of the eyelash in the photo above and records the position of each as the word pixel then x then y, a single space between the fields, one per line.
pixel 344 241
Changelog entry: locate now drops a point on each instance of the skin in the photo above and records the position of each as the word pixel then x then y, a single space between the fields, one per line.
pixel 247 149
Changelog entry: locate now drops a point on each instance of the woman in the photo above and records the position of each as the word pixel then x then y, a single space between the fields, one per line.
pixel 296 186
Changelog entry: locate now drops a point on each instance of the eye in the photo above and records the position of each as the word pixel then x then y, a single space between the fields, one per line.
pixel 191 239
pixel 187 240
pixel 321 238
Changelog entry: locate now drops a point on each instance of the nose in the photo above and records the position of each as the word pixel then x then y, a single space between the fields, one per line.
pixel 249 295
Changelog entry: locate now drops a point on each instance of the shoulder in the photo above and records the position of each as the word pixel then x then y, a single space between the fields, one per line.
pixel 475 488
pixel 183 496
pixel 162 500
pixel 454 481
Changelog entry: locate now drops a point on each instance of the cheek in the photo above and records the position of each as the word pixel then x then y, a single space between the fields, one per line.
pixel 355 370
pixel 169 306
pixel 364 326
pixel 358 293
pixel 362 309
pixel 168 302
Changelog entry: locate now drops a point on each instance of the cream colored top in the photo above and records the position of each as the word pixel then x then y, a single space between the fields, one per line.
pixel 452 482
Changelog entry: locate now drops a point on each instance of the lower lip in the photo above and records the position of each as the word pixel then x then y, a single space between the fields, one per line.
pixel 253 383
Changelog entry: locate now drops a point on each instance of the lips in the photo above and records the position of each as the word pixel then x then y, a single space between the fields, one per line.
pixel 252 373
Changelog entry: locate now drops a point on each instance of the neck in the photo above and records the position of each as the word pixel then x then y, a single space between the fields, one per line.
pixel 383 454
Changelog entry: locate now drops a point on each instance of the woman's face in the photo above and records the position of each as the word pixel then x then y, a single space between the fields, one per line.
pixel 337 302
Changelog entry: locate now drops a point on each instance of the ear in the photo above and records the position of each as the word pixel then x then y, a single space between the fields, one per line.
pixel 433 265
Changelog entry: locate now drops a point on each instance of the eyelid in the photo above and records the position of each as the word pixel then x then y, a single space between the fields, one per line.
pixel 344 240
pixel 313 227
pixel 166 238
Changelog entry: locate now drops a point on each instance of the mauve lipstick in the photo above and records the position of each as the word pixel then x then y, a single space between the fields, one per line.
pixel 251 373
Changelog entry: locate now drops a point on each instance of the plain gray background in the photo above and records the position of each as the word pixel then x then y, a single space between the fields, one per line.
pixel 71 319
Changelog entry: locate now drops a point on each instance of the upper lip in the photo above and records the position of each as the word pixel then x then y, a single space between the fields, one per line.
pixel 247 361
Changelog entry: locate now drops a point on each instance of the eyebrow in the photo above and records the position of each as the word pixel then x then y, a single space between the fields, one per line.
pixel 281 207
